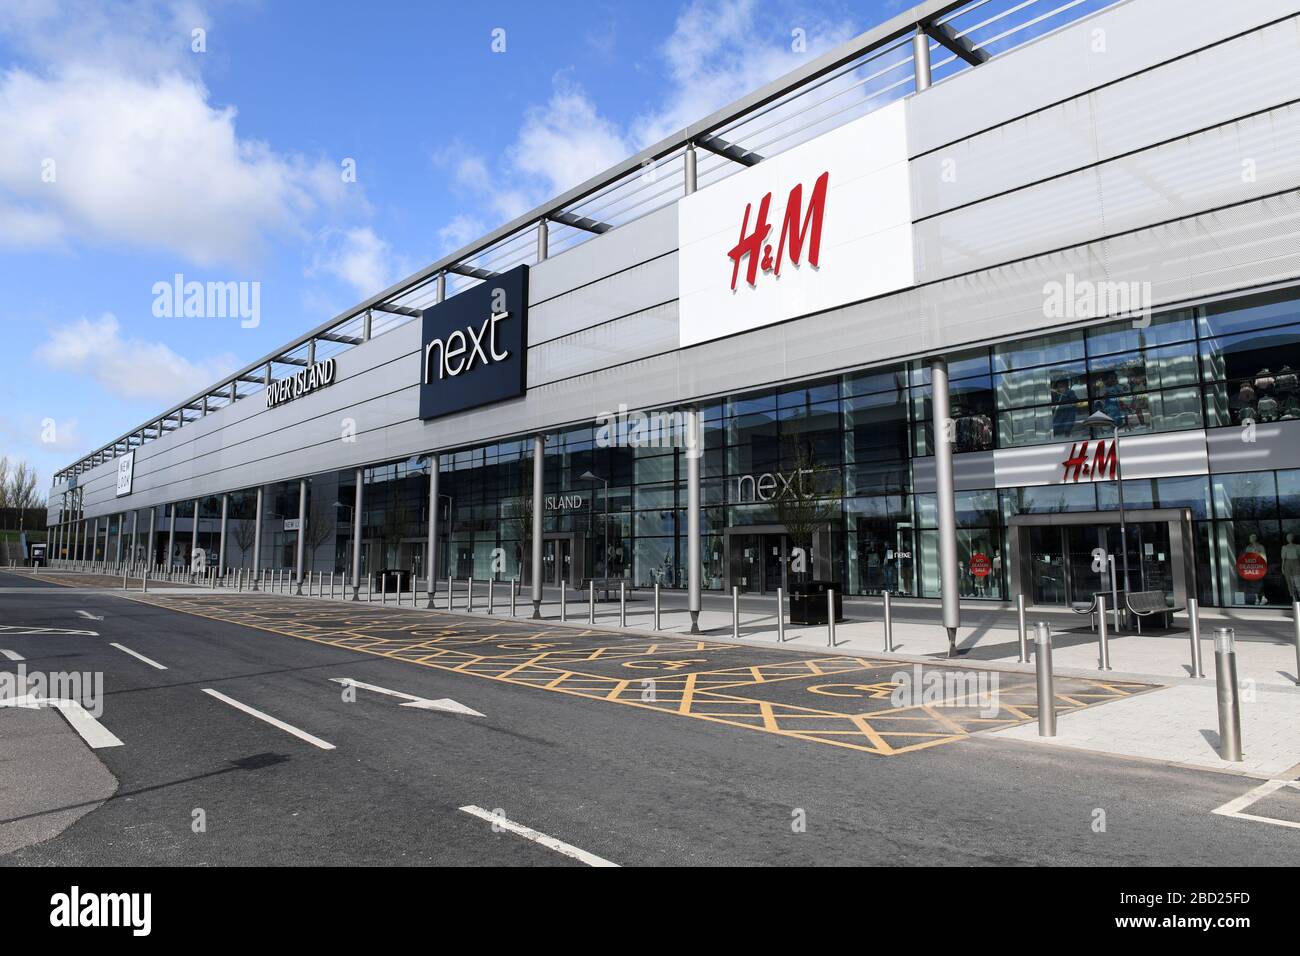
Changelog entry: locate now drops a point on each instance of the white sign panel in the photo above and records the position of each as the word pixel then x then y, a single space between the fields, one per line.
pixel 821 225
pixel 1086 460
pixel 292 524
pixel 125 473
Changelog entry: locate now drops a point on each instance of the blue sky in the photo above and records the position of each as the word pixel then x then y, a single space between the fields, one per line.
pixel 130 157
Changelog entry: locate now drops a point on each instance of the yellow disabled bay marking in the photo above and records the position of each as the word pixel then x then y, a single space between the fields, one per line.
pixel 544 664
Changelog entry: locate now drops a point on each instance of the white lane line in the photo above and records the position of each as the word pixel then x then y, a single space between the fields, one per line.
pixel 90 729
pixel 12 655
pixel 1234 807
pixel 287 728
pixel 91 617
pixel 559 846
pixel 16 629
pixel 137 656
pixel 420 703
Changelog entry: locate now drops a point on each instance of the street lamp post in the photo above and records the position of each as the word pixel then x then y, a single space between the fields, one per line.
pixel 604 564
pixel 1100 420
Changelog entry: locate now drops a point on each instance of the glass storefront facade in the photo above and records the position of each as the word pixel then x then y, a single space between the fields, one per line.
pixel 819 480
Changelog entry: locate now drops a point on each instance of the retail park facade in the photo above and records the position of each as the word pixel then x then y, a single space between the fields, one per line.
pixel 1073 225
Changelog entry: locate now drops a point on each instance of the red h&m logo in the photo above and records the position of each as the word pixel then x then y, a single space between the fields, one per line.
pixel 754 244
pixel 1105 461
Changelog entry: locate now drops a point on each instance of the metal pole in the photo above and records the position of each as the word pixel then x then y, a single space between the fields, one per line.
pixel 1295 620
pixel 889 622
pixel 622 604
pixel 254 574
pixel 830 617
pixel 1046 691
pixel 735 612
pixel 383 588
pixel 450 589
pixel 591 602
pixel 691 177
pixel 469 593
pixel 135 527
pixel 301 544
pixel 656 624
pixel 1022 628
pixel 171 540
pixel 1194 635
pixel 1114 593
pixel 921 59
pixel 539 462
pixel 149 547
pixel 694 569
pixel 491 596
pixel 513 592
pixel 221 545
pixel 949 584
pixel 1225 680
pixel 1123 521
pixel 564 600
pixel 780 615
pixel 432 571
pixel 194 533
pixel 357 501
pixel 1103 635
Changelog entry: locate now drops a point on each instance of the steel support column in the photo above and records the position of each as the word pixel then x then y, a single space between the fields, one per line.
pixel 694 566
pixel 257 538
pixel 535 572
pixel 943 426
pixel 357 502
pixel 432 567
pixel 921 59
pixel 300 548
pixel 221 541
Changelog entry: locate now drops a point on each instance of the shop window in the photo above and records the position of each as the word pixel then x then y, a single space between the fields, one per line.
pixel 1062 347
pixel 874 381
pixel 1046 499
pixel 1247 495
pixel 1281 307
pixel 1128 335
pixel 1259 562
pixel 1257 375
pixel 1288 493
pixel 1046 385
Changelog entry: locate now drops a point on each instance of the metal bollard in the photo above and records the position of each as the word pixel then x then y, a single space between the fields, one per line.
pixel 889 622
pixel 656 625
pixel 1225 680
pixel 622 604
pixel 124 581
pixel 450 582
pixel 735 612
pixel 331 585
pixel 491 596
pixel 780 615
pixel 144 583
pixel 1194 635
pixel 469 593
pixel 1103 635
pixel 1046 689
pixel 564 601
pixel 1023 629
pixel 830 617
pixel 591 603
pixel 383 589
pixel 513 591
pixel 1295 620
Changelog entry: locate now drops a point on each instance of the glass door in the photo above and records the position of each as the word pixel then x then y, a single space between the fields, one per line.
pixel 774 562
pixel 1047 584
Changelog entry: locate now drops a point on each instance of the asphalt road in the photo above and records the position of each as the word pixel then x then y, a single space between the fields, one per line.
pixel 627 784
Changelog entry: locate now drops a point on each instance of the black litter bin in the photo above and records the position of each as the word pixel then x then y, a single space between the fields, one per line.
pixel 392 580
pixel 808 603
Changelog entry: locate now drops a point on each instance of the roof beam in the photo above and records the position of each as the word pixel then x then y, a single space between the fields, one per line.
pixel 942 34
pixel 737 154
pixel 471 272
pixel 580 222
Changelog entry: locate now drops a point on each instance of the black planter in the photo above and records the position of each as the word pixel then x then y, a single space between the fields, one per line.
pixel 808 603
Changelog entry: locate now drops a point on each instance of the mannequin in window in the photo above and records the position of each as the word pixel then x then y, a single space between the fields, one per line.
pixel 1065 408
pixel 1255 589
pixel 1291 566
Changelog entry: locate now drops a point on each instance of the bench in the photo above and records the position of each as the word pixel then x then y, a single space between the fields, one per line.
pixel 1145 603
pixel 1090 607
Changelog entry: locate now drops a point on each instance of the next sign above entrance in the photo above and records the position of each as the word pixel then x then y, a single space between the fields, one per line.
pixel 475 346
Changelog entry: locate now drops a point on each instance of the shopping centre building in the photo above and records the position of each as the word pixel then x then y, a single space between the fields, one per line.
pixel 848 328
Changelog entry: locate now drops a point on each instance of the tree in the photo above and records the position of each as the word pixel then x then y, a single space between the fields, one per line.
pixel 320 525
pixel 245 536
pixel 807 503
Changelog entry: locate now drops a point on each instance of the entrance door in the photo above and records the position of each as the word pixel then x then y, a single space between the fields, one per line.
pixel 563 561
pixel 1055 556
pixel 774 564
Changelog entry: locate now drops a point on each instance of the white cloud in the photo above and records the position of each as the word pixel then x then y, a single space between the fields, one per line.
pixel 127 367
pixel 359 258
pixel 718 51
pixel 111 102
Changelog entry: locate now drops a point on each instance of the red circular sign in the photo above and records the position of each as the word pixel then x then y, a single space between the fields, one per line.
pixel 980 565
pixel 1252 566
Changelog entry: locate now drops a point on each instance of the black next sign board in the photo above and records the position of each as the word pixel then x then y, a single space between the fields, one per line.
pixel 475 346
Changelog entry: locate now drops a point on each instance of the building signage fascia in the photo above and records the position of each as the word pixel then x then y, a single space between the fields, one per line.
pixel 821 225
pixel 566 502
pixel 301 383
pixel 770 486
pixel 1084 460
pixel 125 473
pixel 474 346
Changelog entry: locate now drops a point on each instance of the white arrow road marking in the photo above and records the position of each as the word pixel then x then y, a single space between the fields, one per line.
pixel 91 730
pixel 559 846
pixel 18 629
pixel 419 703
pixel 12 656
pixel 137 656
pixel 91 617
pixel 287 728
